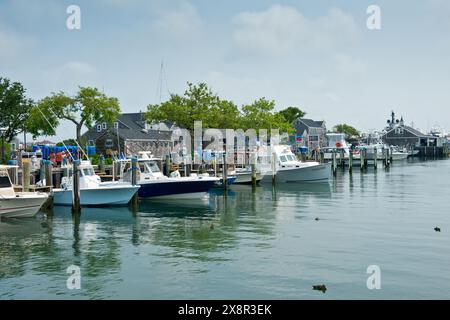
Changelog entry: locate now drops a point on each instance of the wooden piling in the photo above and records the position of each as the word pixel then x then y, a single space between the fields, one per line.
pixel 167 165
pixel 375 158
pixel 361 159
pixel 253 175
pixel 350 162
pixel 134 171
pixel 225 172
pixel 48 173
pixel 274 167
pixel 101 164
pixel 76 203
pixel 322 157
pixel 26 171
pixel 334 163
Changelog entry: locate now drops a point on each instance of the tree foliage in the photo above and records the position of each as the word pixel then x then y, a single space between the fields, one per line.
pixel 347 129
pixel 14 108
pixel 292 113
pixel 199 103
pixel 86 108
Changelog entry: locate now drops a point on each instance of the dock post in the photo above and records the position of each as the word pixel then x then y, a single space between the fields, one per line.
pixel 225 172
pixel 167 165
pixel 76 205
pixel 350 162
pixel 134 170
pixel 334 163
pixel 366 160
pixel 274 167
pixel 390 155
pixel 26 170
pixel 101 164
pixel 383 152
pixel 253 175
pixel 42 170
pixel 322 157
pixel 48 173
pixel 375 158
pixel 361 159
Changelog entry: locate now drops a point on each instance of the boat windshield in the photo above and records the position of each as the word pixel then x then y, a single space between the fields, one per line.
pixel 88 171
pixel 149 166
pixel 283 158
pixel 5 182
pixel 290 157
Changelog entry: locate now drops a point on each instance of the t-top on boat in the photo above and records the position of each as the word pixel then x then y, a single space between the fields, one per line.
pixel 92 191
pixel 153 184
pixel 17 204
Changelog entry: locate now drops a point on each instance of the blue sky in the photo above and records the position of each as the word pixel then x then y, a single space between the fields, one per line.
pixel 317 55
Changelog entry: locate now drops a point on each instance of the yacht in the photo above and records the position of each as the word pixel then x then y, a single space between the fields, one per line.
pixel 93 192
pixel 289 169
pixel 154 184
pixel 17 204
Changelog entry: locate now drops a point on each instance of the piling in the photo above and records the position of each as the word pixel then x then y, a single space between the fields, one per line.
pixel 350 162
pixel 134 170
pixel 274 167
pixel 76 203
pixel 48 173
pixel 375 158
pixel 322 157
pixel 253 175
pixel 390 155
pixel 225 172
pixel 167 165
pixel 361 159
pixel 26 171
pixel 341 158
pixel 42 170
pixel 334 163
pixel 101 164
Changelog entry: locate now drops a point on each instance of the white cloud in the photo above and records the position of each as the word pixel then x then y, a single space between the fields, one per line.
pixel 181 22
pixel 283 30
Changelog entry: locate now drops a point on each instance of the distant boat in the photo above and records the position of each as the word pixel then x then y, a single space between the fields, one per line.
pixel 93 192
pixel 154 184
pixel 399 154
pixel 17 204
pixel 289 169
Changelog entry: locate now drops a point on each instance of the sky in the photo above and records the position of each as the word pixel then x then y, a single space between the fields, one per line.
pixel 316 55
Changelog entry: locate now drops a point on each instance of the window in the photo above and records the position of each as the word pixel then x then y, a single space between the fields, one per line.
pixel 290 157
pixel 116 125
pixel 99 128
pixel 88 172
pixel 109 143
pixel 91 143
pixel 283 158
pixel 4 182
pixel 104 126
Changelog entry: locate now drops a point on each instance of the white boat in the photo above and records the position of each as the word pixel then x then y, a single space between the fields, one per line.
pixel 244 175
pixel 92 191
pixel 17 204
pixel 398 154
pixel 289 169
pixel 337 144
pixel 154 184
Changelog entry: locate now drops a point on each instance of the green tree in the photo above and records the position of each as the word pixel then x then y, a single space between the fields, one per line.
pixel 14 108
pixel 198 103
pixel 86 108
pixel 347 129
pixel 292 113
pixel 260 115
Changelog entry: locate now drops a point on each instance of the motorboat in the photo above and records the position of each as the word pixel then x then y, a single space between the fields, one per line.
pixel 244 175
pixel 154 184
pixel 399 154
pixel 17 204
pixel 289 169
pixel 93 192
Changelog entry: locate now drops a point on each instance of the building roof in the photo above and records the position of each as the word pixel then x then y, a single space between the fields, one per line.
pixel 311 123
pixel 413 131
pixel 131 127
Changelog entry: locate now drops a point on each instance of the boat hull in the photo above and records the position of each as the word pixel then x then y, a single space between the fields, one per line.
pixel 103 196
pixel 246 178
pixel 313 173
pixel 179 189
pixel 21 207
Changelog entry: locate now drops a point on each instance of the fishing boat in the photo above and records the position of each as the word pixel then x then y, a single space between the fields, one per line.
pixel 398 154
pixel 93 192
pixel 17 204
pixel 154 184
pixel 244 175
pixel 289 169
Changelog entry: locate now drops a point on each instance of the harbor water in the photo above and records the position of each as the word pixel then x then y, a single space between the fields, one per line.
pixel 268 243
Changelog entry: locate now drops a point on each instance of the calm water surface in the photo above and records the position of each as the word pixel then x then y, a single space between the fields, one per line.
pixel 264 244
